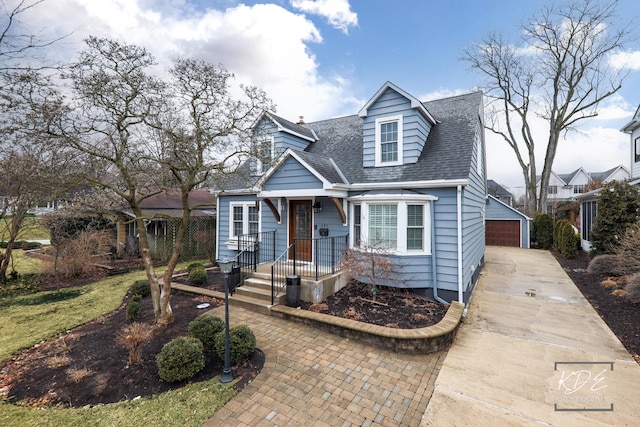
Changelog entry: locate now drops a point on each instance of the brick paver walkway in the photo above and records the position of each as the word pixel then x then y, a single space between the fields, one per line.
pixel 313 378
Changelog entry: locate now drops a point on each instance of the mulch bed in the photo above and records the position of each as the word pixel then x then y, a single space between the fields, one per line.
pixel 622 316
pixel 29 378
pixel 393 308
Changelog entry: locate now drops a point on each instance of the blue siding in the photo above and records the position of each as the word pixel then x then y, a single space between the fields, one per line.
pixel 291 175
pixel 473 208
pixel 223 212
pixel 415 127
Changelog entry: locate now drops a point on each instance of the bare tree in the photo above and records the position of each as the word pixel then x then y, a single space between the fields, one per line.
pixel 33 168
pixel 26 171
pixel 147 135
pixel 560 73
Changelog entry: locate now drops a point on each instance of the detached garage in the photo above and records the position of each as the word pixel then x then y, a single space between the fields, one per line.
pixel 505 226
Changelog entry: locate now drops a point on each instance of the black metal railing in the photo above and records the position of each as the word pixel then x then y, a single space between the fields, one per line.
pixel 255 248
pixel 318 256
pixel 279 270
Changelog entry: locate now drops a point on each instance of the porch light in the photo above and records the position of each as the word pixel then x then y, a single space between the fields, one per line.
pixel 317 207
pixel 225 265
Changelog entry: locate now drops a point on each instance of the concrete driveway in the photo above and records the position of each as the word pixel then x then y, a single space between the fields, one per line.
pixel 532 351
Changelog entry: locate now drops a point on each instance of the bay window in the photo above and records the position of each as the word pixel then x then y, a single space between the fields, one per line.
pixel 399 224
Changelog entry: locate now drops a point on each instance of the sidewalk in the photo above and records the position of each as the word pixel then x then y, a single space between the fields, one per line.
pixel 532 351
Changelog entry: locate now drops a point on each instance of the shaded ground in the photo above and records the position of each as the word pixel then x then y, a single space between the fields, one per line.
pixel 87 367
pixel 622 316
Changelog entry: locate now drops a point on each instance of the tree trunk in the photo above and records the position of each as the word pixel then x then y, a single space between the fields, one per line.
pixel 16 223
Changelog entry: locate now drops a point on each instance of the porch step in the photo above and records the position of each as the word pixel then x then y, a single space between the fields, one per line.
pixel 259 289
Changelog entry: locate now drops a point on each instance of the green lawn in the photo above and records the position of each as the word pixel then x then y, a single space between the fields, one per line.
pixel 31 229
pixel 28 319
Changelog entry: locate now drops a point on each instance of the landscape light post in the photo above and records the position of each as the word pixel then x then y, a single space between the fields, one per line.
pixel 226 265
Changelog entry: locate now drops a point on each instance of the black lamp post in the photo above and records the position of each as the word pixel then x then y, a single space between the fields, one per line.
pixel 226 265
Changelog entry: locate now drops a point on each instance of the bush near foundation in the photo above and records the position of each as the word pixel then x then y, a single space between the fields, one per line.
pixel 543 231
pixel 198 276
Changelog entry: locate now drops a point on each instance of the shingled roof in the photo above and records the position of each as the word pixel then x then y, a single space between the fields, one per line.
pixel 445 156
pixel 338 143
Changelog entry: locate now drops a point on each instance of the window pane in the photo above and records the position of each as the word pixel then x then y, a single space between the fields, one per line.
pixel 357 229
pixel 415 227
pixel 389 142
pixel 414 239
pixel 253 219
pixel 237 220
pixel 383 225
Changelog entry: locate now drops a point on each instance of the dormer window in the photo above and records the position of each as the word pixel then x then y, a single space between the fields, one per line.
pixel 389 141
pixel 265 155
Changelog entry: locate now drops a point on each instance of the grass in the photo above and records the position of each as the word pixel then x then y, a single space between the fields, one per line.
pixel 189 406
pixel 28 319
pixel 31 229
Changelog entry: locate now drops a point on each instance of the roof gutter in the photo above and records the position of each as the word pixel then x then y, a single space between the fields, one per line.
pixel 438 183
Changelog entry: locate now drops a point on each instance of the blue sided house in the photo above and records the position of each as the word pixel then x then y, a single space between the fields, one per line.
pixel 408 173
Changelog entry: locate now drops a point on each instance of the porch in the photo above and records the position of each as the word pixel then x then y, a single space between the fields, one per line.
pixel 261 273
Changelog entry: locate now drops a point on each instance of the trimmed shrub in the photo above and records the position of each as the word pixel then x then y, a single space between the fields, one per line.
pixel 543 230
pixel 198 276
pixel 242 343
pixel 193 265
pixel 140 287
pixel 180 359
pixel 567 240
pixel 205 328
pixel 633 288
pixel 605 265
pixel 134 307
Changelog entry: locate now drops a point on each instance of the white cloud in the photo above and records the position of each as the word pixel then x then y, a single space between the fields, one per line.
pixel 264 45
pixel 338 12
pixel 630 60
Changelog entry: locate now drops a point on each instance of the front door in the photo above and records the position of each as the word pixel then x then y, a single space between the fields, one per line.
pixel 300 228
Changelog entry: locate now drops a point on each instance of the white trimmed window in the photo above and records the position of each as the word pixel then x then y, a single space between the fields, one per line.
pixel 266 154
pixel 244 218
pixel 388 150
pixel 402 226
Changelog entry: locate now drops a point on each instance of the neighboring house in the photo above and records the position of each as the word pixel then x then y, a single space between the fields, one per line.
pixel 566 188
pixel 505 226
pixel 162 213
pixel 407 173
pixel 499 192
pixel 589 201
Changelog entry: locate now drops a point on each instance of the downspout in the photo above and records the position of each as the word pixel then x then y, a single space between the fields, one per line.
pixel 217 226
pixel 459 215
pixel 434 276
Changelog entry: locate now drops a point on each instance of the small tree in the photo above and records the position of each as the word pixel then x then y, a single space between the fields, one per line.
pixel 370 263
pixel 628 250
pixel 617 211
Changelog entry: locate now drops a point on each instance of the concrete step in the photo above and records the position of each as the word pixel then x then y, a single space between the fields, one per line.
pixel 257 292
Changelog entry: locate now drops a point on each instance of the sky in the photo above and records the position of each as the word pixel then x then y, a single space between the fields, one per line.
pixel 326 58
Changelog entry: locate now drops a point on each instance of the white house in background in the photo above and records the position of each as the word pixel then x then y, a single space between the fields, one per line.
pixel 589 201
pixel 568 187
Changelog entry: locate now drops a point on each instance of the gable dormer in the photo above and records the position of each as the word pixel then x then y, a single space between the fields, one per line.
pixel 272 135
pixel 395 128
